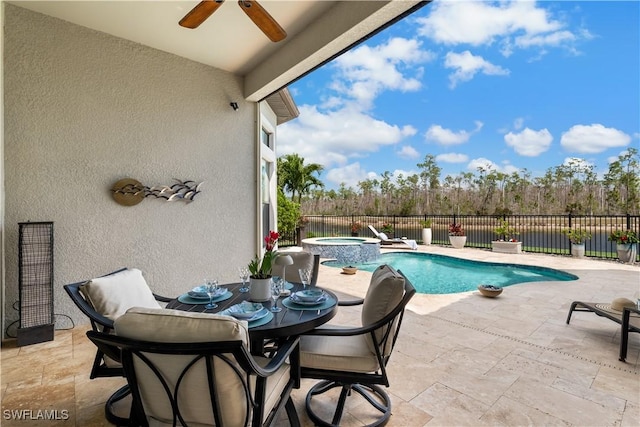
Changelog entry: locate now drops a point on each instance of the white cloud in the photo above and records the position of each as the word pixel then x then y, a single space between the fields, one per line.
pixel 452 158
pixel 467 65
pixel 612 159
pixel 577 163
pixel 408 152
pixel 334 137
pixel 481 162
pixel 341 129
pixel 511 24
pixel 366 71
pixel 529 142
pixel 350 175
pixel 442 136
pixel 593 138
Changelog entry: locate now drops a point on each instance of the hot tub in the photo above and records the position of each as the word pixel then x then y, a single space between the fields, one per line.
pixel 344 249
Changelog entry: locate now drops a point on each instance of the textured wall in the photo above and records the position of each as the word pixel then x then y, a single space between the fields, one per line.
pixel 84 109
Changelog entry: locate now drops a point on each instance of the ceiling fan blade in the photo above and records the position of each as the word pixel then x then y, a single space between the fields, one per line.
pixel 200 13
pixel 263 20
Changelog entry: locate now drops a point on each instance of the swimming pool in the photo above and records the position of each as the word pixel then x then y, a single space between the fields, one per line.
pixel 439 274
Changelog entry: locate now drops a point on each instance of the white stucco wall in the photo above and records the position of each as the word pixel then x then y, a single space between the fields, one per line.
pixel 84 109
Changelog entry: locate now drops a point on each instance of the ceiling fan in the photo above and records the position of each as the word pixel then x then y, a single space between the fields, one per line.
pixel 254 11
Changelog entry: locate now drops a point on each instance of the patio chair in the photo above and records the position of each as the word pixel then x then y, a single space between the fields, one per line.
pixel 301 259
pixel 187 368
pixel 355 358
pixel 384 240
pixel 102 300
pixel 612 311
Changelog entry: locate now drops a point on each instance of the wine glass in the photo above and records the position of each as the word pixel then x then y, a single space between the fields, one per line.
pixel 305 276
pixel 244 276
pixel 276 289
pixel 212 287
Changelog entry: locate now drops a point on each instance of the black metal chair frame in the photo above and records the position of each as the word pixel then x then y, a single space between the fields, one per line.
pixel 365 384
pixel 99 323
pixel 134 349
pixel 591 308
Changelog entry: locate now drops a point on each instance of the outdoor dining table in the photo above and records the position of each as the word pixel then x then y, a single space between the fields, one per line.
pixel 291 321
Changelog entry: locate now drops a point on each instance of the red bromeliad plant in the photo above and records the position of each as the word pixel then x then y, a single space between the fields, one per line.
pixel 623 236
pixel 261 268
pixel 456 230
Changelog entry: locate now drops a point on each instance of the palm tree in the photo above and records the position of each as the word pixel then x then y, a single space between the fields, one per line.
pixel 296 177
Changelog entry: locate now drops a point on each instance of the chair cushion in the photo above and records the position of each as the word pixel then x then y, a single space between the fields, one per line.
pixel 383 236
pixel 164 325
pixel 385 292
pixel 301 259
pixel 113 295
pixel 349 353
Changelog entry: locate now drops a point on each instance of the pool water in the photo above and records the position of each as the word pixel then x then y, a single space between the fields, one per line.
pixel 439 274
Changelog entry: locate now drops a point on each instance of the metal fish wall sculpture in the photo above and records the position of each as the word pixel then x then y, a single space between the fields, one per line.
pixel 130 192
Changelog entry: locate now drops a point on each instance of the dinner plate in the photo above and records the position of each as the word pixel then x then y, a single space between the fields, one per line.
pixel 298 301
pixel 199 292
pixel 259 315
pixel 245 310
pixel 309 295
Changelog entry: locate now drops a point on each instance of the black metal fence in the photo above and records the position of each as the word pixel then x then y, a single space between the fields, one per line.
pixel 538 233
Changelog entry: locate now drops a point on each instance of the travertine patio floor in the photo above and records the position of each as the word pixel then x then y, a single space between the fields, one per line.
pixel 461 359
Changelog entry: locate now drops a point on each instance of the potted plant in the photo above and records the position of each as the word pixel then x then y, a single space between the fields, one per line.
pixel 387 229
pixel 426 231
pixel 260 269
pixel 457 236
pixel 507 243
pixel 355 228
pixel 577 237
pixel 626 244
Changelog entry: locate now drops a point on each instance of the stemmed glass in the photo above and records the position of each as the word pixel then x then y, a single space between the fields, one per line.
pixel 244 276
pixel 212 287
pixel 305 277
pixel 277 284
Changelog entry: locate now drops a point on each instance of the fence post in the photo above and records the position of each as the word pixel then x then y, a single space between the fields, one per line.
pixel 570 219
pixel 628 222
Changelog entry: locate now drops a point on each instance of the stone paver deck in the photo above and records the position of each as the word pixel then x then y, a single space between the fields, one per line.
pixel 461 359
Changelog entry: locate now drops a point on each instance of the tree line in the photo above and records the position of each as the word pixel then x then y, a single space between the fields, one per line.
pixel 573 188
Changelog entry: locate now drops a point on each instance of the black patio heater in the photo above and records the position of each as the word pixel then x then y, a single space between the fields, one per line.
pixel 35 282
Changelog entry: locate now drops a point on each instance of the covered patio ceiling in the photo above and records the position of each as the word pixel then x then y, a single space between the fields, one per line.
pixel 317 30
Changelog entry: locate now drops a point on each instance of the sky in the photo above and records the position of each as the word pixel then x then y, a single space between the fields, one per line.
pixel 506 86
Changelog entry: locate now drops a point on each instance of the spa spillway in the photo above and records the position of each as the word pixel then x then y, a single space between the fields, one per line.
pixel 343 249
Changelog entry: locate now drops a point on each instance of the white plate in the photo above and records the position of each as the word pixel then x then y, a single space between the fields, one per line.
pixel 199 292
pixel 259 315
pixel 245 310
pixel 295 300
pixel 310 295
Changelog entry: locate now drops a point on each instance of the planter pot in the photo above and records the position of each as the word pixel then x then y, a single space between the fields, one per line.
pixel 354 234
pixel 506 247
pixel 490 290
pixel 349 270
pixel 260 289
pixel 458 241
pixel 426 236
pixel 627 252
pixel 577 250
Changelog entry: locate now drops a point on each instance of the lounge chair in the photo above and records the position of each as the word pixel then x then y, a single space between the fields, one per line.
pixel 384 240
pixel 613 311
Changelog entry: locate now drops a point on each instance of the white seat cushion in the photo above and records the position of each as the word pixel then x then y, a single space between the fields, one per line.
pixel 385 292
pixel 165 325
pixel 113 295
pixel 350 353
